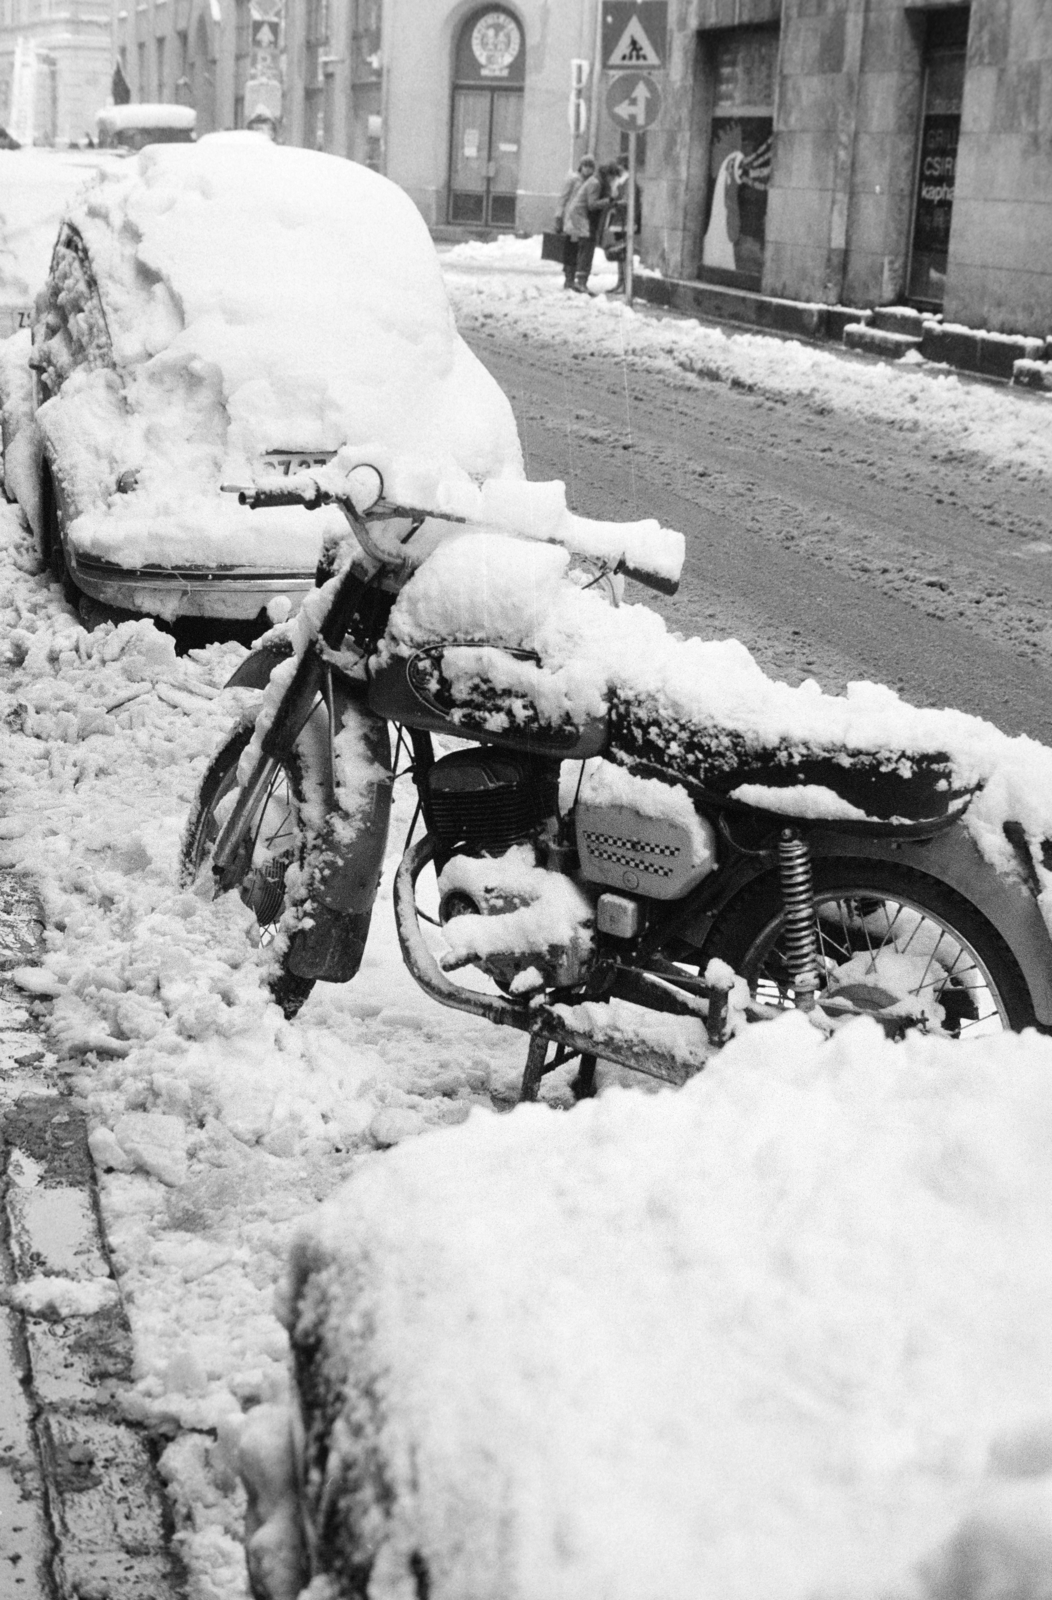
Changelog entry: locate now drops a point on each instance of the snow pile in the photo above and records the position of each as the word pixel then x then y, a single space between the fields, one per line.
pixel 334 328
pixel 785 1333
pixel 216 1124
pixel 57 1297
pixel 523 910
pixel 951 413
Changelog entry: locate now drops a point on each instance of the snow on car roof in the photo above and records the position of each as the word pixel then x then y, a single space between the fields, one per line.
pixel 310 284
pixel 145 114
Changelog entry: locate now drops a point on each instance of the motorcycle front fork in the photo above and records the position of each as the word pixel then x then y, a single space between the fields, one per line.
pixel 237 835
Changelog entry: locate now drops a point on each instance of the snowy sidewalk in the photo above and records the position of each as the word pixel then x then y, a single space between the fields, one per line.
pixel 82 1511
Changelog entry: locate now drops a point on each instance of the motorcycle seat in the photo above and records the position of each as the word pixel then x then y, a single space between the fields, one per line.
pixel 891 789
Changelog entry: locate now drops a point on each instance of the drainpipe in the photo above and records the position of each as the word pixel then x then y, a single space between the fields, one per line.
pixel 844 161
pixel 597 68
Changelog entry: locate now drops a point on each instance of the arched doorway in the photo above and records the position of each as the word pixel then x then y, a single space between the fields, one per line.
pixel 489 70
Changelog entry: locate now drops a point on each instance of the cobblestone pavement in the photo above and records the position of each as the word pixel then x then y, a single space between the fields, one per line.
pixel 82 1513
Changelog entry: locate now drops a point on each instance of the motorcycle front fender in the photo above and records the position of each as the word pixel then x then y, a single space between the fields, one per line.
pixel 347 801
pixel 952 857
pixel 255 671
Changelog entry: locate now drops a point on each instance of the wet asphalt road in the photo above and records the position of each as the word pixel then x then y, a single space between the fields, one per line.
pixel 831 548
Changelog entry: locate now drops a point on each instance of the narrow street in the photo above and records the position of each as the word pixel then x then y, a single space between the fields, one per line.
pixel 831 549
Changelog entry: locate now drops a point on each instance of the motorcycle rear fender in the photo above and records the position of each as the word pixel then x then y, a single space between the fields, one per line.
pixel 954 859
pixel 345 859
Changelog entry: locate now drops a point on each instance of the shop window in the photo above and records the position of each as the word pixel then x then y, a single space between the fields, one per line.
pixel 745 64
pixel 486 122
pixel 946 39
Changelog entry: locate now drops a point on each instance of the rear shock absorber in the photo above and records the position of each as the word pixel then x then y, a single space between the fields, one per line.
pixel 798 901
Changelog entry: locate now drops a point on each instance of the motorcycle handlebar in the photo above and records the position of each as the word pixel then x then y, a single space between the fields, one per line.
pixel 258 496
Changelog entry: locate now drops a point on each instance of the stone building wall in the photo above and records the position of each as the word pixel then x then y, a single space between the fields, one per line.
pixel 1001 247
pixel 845 161
pixel 74 61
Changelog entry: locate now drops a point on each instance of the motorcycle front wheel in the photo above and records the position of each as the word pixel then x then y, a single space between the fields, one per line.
pixel 886 933
pixel 276 845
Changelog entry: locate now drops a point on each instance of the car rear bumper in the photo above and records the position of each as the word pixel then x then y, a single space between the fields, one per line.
pixel 235 593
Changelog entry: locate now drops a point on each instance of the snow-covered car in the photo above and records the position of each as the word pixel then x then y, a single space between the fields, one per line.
pixel 144 122
pixel 213 312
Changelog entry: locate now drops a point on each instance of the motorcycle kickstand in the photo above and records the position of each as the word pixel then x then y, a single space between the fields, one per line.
pixel 538 1066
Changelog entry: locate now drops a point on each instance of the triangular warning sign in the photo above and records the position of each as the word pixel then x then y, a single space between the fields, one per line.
pixel 633 49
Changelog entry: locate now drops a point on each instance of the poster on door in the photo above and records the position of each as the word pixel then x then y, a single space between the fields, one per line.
pixel 739 174
pixel 938 167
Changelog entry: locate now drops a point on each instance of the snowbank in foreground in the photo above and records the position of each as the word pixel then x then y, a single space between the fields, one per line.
pixel 505 286
pixel 786 1333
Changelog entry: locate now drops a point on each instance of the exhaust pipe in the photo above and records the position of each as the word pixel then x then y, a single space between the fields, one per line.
pixel 596 1027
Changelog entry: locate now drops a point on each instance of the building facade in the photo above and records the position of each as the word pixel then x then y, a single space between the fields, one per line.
pixel 56 60
pixel 222 57
pixel 860 152
pixel 466 105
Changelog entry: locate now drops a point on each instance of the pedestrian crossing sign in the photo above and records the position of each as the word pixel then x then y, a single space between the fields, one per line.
pixel 634 34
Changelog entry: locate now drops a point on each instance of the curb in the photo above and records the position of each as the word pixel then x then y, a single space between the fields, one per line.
pixel 975 351
pixel 83 1514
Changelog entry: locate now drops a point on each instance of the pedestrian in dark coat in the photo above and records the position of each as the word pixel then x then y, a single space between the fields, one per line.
pixel 580 205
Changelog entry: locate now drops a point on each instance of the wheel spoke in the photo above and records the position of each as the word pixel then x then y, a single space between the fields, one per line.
pixel 866 923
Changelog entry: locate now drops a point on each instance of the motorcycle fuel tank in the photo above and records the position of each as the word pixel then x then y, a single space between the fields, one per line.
pixel 430 690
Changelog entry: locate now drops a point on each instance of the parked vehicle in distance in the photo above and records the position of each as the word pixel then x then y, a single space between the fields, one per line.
pixel 131 127
pixel 217 309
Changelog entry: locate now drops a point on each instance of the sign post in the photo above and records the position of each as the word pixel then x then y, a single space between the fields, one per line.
pixel 633 102
pixel 633 46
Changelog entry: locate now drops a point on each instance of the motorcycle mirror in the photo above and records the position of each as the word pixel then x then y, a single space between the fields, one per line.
pixel 365 487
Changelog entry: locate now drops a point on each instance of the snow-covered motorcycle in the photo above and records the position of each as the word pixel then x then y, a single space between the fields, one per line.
pixel 628 818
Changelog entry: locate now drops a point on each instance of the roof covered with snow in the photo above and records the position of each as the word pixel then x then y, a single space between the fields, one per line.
pixel 146 114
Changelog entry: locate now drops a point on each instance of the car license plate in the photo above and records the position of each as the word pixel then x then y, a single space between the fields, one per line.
pixel 14 317
pixel 285 462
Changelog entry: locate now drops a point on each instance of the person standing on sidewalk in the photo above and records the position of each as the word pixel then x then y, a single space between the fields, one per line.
pixel 581 197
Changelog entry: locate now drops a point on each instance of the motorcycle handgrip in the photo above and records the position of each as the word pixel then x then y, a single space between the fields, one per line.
pixel 256 498
pixel 649 579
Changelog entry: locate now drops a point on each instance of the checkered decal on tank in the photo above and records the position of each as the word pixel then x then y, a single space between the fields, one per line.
pixel 630 852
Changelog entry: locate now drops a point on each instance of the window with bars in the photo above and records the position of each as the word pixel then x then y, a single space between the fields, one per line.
pixel 317 22
pixel 365 41
pixel 242 57
pixel 243 28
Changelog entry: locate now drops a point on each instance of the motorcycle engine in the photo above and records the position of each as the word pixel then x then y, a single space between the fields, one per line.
pixel 485 800
pixel 487 811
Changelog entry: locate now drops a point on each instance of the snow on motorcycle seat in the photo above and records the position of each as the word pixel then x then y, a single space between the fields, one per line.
pixel 500 639
pixel 889 788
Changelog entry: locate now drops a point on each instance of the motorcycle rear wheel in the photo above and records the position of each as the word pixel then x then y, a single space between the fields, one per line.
pixel 277 844
pixel 866 908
